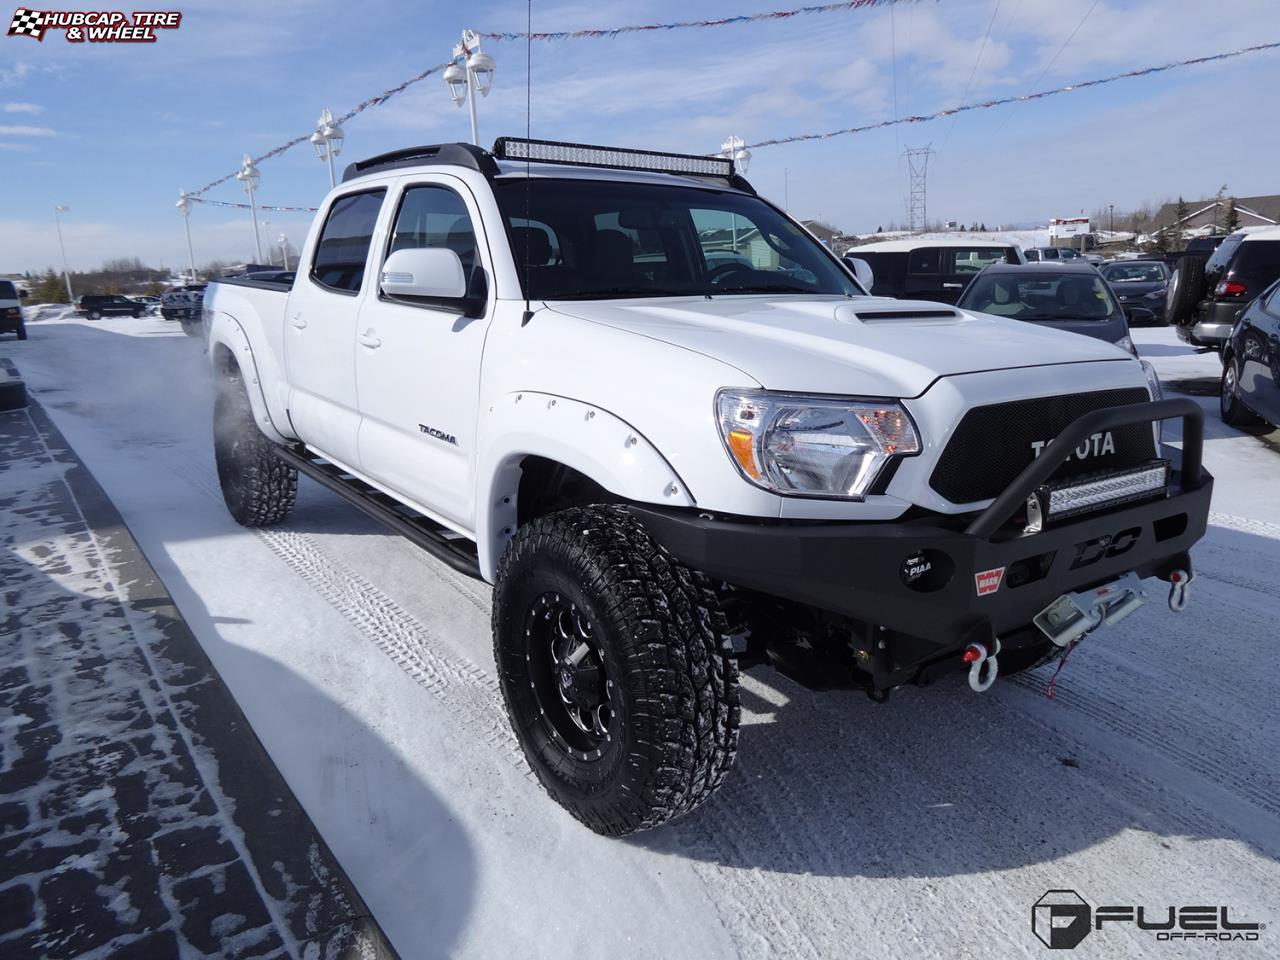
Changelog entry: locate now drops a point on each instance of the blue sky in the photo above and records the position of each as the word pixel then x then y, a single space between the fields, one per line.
pixel 114 131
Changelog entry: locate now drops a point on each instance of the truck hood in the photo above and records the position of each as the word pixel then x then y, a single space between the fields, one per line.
pixel 868 346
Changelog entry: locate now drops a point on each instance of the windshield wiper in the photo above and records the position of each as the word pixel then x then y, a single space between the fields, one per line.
pixel 764 288
pixel 605 293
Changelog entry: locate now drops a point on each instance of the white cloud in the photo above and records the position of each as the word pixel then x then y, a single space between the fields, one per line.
pixel 32 108
pixel 17 147
pixel 27 132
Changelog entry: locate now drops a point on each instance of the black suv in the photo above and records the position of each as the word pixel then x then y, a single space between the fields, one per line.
pixel 1206 296
pixel 96 306
pixel 929 269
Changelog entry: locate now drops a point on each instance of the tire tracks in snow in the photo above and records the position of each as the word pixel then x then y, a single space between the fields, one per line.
pixel 752 905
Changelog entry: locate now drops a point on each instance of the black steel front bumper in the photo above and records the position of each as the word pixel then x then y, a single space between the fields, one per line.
pixel 872 571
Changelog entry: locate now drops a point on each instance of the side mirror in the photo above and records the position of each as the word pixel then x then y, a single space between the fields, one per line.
pixel 24 294
pixel 862 270
pixel 434 272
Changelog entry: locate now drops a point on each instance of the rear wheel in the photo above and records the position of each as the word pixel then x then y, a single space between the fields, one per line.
pixel 1230 406
pixel 615 666
pixel 22 331
pixel 95 315
pixel 259 488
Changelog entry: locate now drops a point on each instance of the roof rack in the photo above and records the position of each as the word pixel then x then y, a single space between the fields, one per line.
pixel 454 154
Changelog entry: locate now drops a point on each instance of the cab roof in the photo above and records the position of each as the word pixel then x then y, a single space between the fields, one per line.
pixel 906 246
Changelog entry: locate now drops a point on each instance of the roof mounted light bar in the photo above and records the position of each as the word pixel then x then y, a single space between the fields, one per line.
pixel 620 158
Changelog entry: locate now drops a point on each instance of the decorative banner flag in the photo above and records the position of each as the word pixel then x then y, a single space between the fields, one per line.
pixel 611 32
pixel 245 206
pixel 1146 71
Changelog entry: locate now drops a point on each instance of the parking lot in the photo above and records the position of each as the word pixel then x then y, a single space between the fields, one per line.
pixel 931 823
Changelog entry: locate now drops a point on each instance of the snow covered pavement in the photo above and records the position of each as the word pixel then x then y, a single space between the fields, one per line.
pixel 929 825
pixel 140 817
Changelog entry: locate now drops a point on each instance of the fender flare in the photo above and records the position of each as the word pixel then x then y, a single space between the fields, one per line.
pixel 580 435
pixel 225 333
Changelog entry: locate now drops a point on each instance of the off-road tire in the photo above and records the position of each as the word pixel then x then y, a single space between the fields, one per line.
pixel 1231 408
pixel 259 488
pixel 22 331
pixel 95 315
pixel 665 648
pixel 1185 290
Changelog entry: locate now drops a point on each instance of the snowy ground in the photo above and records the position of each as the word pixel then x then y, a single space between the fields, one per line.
pixel 927 826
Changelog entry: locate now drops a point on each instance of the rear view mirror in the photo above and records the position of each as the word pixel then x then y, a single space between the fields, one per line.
pixel 434 272
pixel 862 270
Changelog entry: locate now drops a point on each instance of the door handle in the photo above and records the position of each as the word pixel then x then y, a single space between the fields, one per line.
pixel 369 340
pixel 297 322
pixel 952 286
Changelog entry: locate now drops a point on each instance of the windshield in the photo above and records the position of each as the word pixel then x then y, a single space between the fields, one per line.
pixel 594 239
pixel 1040 294
pixel 7 290
pixel 1134 272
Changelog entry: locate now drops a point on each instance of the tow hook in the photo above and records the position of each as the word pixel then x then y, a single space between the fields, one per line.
pixel 1180 589
pixel 1074 615
pixel 983 666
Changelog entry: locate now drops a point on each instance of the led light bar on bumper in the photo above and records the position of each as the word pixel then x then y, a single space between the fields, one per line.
pixel 621 158
pixel 812 446
pixel 1058 500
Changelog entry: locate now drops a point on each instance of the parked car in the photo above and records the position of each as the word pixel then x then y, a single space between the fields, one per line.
pixel 1063 296
pixel 1140 285
pixel 11 319
pixel 184 304
pixel 928 269
pixel 1205 297
pixel 1251 364
pixel 1040 254
pixel 865 493
pixel 1206 244
pixel 96 306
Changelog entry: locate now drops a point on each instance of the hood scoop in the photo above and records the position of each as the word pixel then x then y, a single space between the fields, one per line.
pixel 899 312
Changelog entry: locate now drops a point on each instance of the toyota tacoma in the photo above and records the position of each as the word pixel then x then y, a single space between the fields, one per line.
pixel 679 438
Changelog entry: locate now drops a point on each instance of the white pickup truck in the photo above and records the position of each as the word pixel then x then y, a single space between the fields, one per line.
pixel 678 437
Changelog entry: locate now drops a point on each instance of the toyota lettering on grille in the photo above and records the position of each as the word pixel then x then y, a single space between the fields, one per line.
pixel 1096 445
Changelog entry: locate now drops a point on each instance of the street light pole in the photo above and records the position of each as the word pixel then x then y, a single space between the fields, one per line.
pixel 328 141
pixel 1112 208
pixel 266 230
pixel 473 75
pixel 284 249
pixel 249 176
pixel 66 274
pixel 184 205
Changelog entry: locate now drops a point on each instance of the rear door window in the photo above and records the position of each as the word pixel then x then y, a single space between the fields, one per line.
pixel 1219 257
pixel 969 261
pixel 1258 260
pixel 344 243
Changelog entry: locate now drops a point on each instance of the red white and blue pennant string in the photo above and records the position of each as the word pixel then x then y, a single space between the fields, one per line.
pixel 245 206
pixel 611 32
pixel 1003 101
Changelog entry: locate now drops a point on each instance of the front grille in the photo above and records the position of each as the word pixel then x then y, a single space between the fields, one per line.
pixel 993 444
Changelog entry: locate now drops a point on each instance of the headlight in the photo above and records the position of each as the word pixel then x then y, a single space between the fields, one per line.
pixel 812 446
pixel 1124 343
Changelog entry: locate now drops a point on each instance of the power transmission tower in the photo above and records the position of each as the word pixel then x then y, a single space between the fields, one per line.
pixel 918 164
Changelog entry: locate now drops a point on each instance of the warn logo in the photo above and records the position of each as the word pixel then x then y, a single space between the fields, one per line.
pixel 988 581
